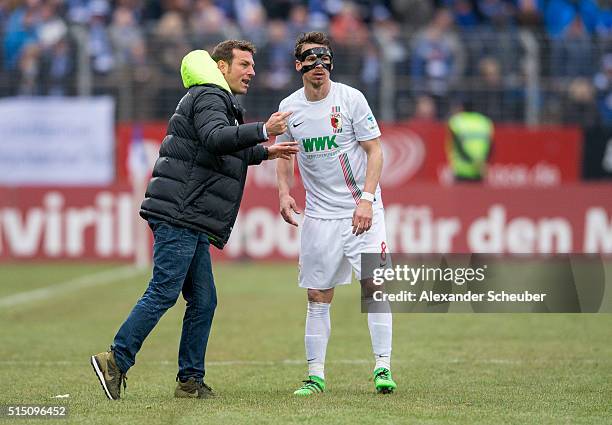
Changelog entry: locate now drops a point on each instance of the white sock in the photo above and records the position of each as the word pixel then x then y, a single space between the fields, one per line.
pixel 318 329
pixel 380 324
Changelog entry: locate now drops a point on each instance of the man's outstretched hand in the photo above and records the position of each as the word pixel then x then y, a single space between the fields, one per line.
pixel 287 208
pixel 282 150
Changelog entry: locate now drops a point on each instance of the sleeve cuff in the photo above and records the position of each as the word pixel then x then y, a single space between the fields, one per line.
pixel 259 155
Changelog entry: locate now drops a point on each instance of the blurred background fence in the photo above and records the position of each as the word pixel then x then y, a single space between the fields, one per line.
pixel 525 61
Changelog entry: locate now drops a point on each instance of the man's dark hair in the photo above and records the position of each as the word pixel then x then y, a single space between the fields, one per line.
pixel 313 37
pixel 224 51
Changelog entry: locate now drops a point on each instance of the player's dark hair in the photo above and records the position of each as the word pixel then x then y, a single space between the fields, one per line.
pixel 313 37
pixel 224 51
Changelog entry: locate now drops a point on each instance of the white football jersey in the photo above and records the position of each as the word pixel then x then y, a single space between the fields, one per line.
pixel 331 161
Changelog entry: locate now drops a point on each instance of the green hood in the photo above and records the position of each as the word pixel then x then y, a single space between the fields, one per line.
pixel 198 68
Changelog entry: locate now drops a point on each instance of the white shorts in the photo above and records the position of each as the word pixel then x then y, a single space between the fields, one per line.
pixel 329 249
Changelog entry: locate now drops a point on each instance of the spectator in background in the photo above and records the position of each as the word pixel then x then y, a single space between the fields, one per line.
pixel 603 26
pixel 28 70
pixel 348 28
pixel 209 25
pixel 298 21
pixel 580 106
pixel 488 92
pixel 126 36
pixel 251 18
pixel 571 51
pixel 351 37
pixel 52 27
pixel 171 42
pixel 169 46
pixel 58 69
pixel 37 50
pixel 437 59
pixel 424 110
pixel 57 56
pixel 387 54
pixel 495 36
pixel 529 13
pixel 77 11
pixel 227 6
pixel 370 74
pixel 279 69
pixel 491 94
pixel 275 70
pixel 464 12
pixel 136 8
pixel 558 15
pixel 497 13
pixel 132 60
pixel 412 14
pixel 21 31
pixel 387 34
pixel 100 46
pixel 149 11
pixel 570 25
pixel 603 86
pixel 5 9
pixel 319 13
pixel 375 55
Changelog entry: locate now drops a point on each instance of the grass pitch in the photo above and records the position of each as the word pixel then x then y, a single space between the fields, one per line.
pixel 450 368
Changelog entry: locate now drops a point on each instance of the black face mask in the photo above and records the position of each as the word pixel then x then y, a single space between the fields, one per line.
pixel 319 52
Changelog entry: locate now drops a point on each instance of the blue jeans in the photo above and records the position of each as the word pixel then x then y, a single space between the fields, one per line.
pixel 181 262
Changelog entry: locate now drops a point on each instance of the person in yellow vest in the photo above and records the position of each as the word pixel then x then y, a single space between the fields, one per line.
pixel 469 143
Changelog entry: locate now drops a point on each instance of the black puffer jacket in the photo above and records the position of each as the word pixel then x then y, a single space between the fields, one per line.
pixel 199 176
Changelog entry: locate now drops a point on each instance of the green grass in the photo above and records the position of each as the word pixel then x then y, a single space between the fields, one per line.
pixel 15 278
pixel 450 368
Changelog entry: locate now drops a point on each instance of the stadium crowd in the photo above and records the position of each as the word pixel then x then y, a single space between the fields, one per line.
pixel 437 50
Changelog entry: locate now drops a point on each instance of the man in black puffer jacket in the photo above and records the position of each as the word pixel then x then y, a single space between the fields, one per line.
pixel 191 202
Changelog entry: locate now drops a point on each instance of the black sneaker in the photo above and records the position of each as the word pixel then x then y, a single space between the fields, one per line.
pixel 192 388
pixel 108 374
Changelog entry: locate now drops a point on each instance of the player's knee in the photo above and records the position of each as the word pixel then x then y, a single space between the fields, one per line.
pixel 368 288
pixel 204 302
pixel 320 296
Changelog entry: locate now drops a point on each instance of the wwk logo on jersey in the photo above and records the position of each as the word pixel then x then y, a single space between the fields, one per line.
pixel 336 119
pixel 319 143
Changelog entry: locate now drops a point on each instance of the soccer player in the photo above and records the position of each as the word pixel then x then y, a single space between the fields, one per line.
pixel 340 161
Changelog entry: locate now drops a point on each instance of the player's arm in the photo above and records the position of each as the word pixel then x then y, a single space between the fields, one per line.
pixel 374 154
pixel 362 217
pixel 284 179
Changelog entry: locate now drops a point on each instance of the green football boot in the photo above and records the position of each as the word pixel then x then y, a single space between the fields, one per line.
pixel 192 389
pixel 108 374
pixel 313 385
pixel 384 381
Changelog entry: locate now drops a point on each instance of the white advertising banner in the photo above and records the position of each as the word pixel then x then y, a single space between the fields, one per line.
pixel 56 141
